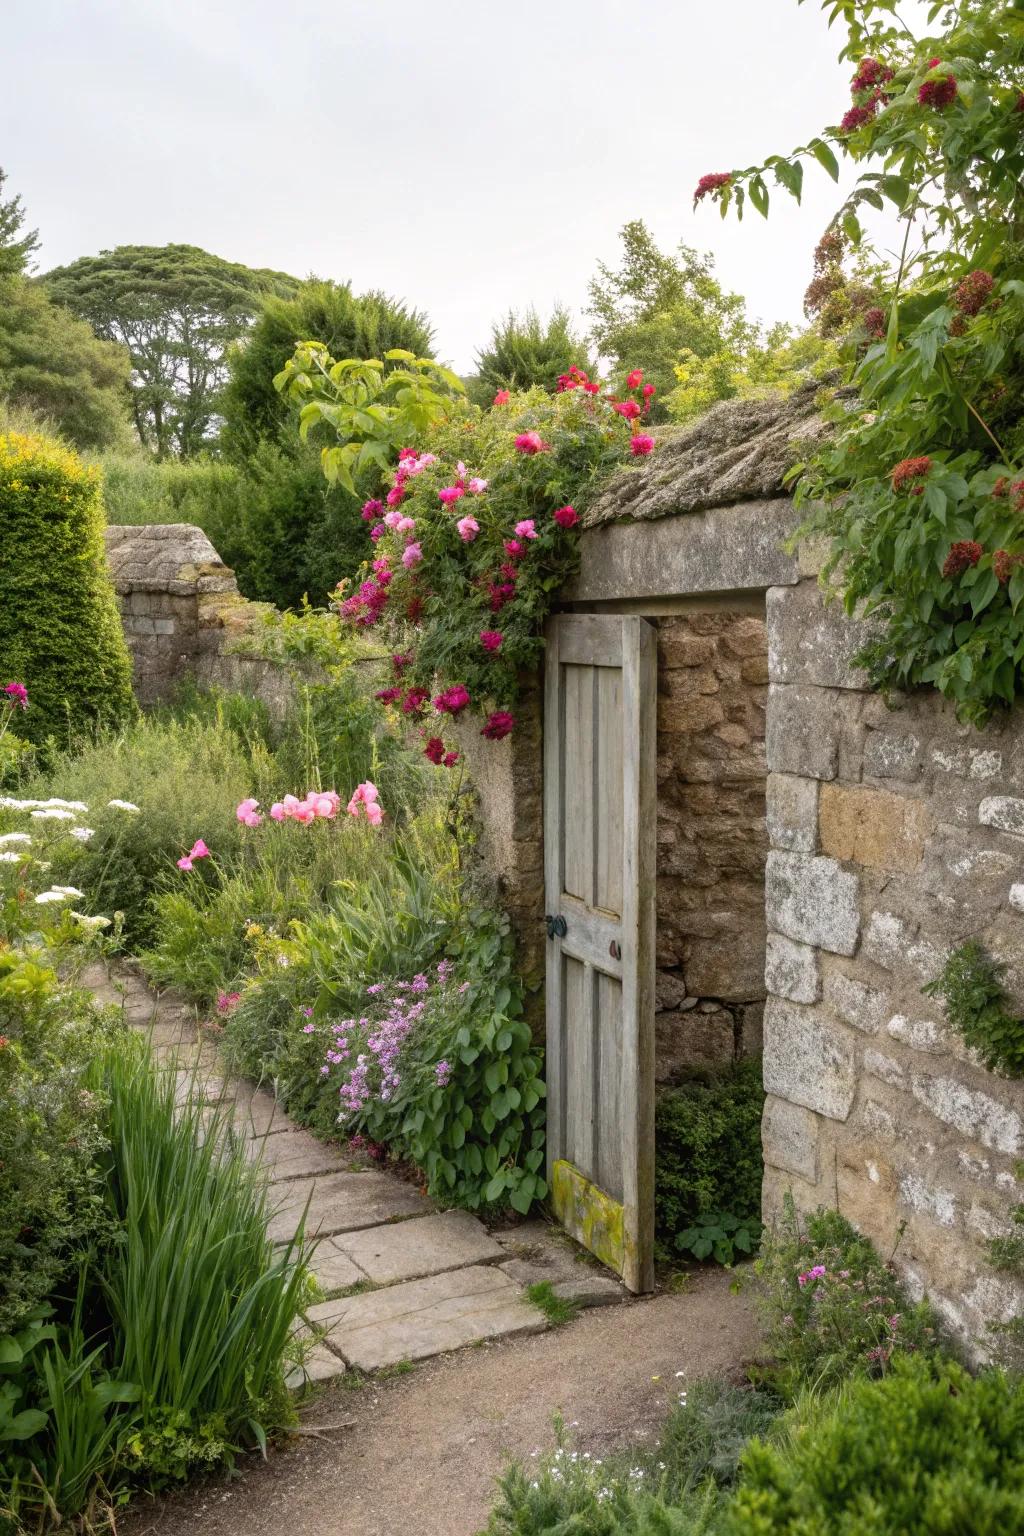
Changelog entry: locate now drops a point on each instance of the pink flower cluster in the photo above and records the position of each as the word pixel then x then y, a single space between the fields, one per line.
pixel 365 799
pixel 816 1273
pixel 318 805
pixel 16 695
pixel 464 481
pixel 198 850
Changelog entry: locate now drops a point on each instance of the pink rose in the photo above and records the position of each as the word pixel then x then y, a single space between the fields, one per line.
pixel 411 555
pixel 468 529
pixel 525 529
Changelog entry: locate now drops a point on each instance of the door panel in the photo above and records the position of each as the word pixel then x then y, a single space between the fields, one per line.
pixel 599 810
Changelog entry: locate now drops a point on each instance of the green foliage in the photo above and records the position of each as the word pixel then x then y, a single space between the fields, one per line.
pixel 657 312
pixel 708 1164
pixel 919 485
pixel 371 409
pixel 203 1304
pixel 831 1307
pixel 54 366
pixel 523 352
pixel 348 325
pixel 16 249
pixel 556 1309
pixel 679 1488
pixel 972 990
pixel 751 367
pixel 929 1450
pixel 1006 1255
pixel 51 1134
pixel 60 631
pixel 177 310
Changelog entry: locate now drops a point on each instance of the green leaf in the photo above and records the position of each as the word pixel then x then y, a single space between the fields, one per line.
pixel 791 174
pixel 851 227
pixel 825 158
pixel 759 195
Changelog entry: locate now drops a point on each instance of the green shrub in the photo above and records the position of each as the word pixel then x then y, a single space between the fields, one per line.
pixel 60 631
pixel 51 1135
pixel 972 990
pixel 831 1306
pixel 929 1450
pixel 708 1162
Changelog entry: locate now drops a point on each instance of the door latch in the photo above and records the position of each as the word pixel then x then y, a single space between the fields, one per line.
pixel 615 949
pixel 557 926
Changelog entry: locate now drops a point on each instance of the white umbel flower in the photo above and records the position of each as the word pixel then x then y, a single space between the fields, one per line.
pixel 123 805
pixel 14 837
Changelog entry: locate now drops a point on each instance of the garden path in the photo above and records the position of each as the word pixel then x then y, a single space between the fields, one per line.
pixel 402 1281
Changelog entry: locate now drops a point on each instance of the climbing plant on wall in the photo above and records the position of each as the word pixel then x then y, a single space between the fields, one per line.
pixel 921 485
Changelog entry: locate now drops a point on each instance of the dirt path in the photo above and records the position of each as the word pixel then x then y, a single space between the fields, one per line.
pixel 425 1448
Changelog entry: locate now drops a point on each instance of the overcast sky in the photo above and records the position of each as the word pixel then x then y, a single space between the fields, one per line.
pixel 466 155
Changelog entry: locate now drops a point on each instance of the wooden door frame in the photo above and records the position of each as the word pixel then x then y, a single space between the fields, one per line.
pixel 591 640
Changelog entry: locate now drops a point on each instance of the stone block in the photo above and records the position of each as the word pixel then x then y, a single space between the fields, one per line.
pixel 928 1199
pixel 1005 812
pixel 802 732
pixel 164 627
pixel 920 1034
pixel 792 813
pixel 730 967
pixel 680 649
pixel 978 763
pixel 890 755
pixel 973 1113
pixel 589 1290
pixel 812 900
pixel 872 827
pixel 692 1039
pixel 877 1064
pixel 894 944
pixel 1016 897
pixel 812 641
pixel 407 1250
pixel 341 1202
pixel 688 713
pixel 855 1003
pixel 808 1059
pixel 790 1135
pixel 792 970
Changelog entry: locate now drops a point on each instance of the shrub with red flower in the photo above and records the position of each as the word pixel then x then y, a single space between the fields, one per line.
pixel 453 701
pixel 499 725
pixel 871 73
pixel 566 517
pixel 713 182
pixel 938 92
pixel 641 445
pixel 909 472
pixel 531 442
pixel 973 292
pixel 856 117
pixel 964 554
pixel 1004 564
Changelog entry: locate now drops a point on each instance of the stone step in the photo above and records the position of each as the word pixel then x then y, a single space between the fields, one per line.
pixel 295 1154
pixel 429 1245
pixel 426 1317
pixel 342 1202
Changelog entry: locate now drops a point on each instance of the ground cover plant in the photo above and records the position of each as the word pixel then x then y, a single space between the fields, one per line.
pixel 920 485
pixel 708 1166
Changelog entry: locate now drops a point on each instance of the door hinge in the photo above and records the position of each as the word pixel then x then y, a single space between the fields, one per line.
pixel 557 926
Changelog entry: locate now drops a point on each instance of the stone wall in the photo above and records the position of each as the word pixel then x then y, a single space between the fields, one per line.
pixel 895 835
pixel 712 843
pixel 183 616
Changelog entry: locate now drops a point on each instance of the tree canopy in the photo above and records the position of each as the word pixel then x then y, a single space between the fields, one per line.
pixel 349 325
pixel 655 311
pixel 15 248
pixel 523 351
pixel 177 309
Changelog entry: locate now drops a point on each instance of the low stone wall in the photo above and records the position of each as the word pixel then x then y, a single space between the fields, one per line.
pixel 896 834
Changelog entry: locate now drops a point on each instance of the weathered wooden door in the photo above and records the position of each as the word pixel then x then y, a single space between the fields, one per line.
pixel 599 868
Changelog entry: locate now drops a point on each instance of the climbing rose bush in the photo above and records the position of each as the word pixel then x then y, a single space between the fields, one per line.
pixel 921 485
pixel 472 540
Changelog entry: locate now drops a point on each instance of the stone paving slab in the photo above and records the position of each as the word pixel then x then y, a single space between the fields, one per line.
pixel 294 1154
pixel 333 1267
pixel 342 1202
pixel 258 1114
pixel 428 1246
pixel 426 1317
pixel 321 1364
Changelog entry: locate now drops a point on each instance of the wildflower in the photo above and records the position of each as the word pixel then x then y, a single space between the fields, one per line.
pixel 531 442
pixel 443 1072
pixel 46 898
pixel 378 532
pixel 399 662
pixel 414 609
pixel 248 813
pixel 404 525
pixel 228 1001
pixel 973 292
pixel 500 594
pixel 468 528
pixel 502 397
pixel 566 517
pixel 816 1273
pixel 478 485
pixel 388 695
pixel 453 700
pixel 908 471
pixel 434 750
pixel 635 379
pixel 90 924
pixel 451 493
pixel 491 639
pixel 873 320
pixel 962 555
pixel 81 834
pixel 411 555
pixel 937 93
pixel 450 759
pixel 856 117
pixel 711 183
pixel 526 529
pixel 627 408
pixel 365 796
pixel 198 850
pixel 7 857
pixel 371 510
pixel 640 445
pixel 396 496
pixel 648 392
pixel 514 549
pixel 16 695
pixel 53 813
pixel 14 837
pixel 414 701
pixel 499 724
